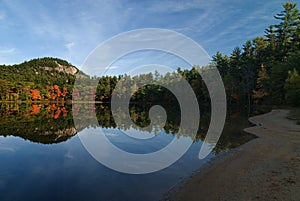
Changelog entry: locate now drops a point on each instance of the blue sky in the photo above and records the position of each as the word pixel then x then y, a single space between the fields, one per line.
pixel 72 29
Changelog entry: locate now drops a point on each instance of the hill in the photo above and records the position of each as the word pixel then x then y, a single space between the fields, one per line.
pixel 37 79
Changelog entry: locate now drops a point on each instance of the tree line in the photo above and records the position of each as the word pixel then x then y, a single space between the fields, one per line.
pixel 264 72
pixel 54 123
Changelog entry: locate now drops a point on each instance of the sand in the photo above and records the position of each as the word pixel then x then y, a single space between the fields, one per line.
pixel 266 168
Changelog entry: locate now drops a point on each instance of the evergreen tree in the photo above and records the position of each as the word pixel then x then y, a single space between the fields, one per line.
pixel 260 46
pixel 286 30
pixel 272 42
pixel 278 76
pixel 222 63
pixel 292 86
pixel 262 86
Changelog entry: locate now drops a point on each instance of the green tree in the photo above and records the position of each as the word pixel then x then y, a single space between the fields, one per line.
pixel 262 86
pixel 270 35
pixel 278 76
pixel 260 45
pixel 287 29
pixel 292 86
pixel 222 63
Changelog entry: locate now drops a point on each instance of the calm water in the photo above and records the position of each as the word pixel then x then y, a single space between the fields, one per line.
pixel 42 157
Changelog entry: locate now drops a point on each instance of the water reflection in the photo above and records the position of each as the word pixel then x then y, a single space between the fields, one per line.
pixel 53 123
pixel 43 123
pixel 65 170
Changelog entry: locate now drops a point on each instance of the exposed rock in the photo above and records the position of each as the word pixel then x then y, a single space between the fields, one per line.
pixel 61 68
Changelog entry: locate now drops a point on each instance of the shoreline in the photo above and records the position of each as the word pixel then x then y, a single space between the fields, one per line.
pixel 265 168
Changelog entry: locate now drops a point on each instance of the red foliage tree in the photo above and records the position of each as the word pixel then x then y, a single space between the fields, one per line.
pixel 54 93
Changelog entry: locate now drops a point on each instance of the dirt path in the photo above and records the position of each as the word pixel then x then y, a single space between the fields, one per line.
pixel 266 168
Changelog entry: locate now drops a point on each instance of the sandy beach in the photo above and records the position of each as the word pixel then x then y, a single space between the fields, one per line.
pixel 266 168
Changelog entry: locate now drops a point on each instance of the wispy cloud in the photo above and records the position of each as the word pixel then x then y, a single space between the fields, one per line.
pixel 7 51
pixel 7 149
pixel 2 15
pixel 72 29
pixel 240 25
pixel 70 45
pixel 85 24
pixel 112 67
pixel 8 56
pixel 174 6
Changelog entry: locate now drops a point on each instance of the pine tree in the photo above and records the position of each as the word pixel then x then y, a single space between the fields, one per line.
pixel 272 42
pixel 286 30
pixel 222 63
pixel 262 86
pixel 292 86
pixel 260 46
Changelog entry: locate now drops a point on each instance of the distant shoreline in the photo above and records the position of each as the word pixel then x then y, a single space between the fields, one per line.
pixel 50 102
pixel 266 168
pixel 30 101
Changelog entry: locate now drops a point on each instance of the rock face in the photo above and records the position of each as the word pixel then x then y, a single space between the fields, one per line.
pixel 65 132
pixel 62 68
pixel 55 136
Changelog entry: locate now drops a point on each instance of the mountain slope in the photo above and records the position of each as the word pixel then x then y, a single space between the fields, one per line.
pixel 36 78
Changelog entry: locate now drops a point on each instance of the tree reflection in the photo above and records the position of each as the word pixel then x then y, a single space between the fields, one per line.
pixel 53 123
pixel 42 123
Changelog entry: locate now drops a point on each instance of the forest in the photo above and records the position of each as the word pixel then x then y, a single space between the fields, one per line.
pixel 35 80
pixel 265 71
pixel 262 74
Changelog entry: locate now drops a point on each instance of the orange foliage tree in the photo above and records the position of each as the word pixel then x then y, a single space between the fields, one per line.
pixel 35 94
pixel 35 109
pixel 54 93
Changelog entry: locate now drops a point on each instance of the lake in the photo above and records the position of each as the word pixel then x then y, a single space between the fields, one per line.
pixel 42 157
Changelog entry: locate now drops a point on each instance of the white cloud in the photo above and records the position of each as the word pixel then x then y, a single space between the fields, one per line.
pixel 70 45
pixel 112 67
pixel 178 6
pixel 244 27
pixel 7 51
pixel 77 27
pixel 2 15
